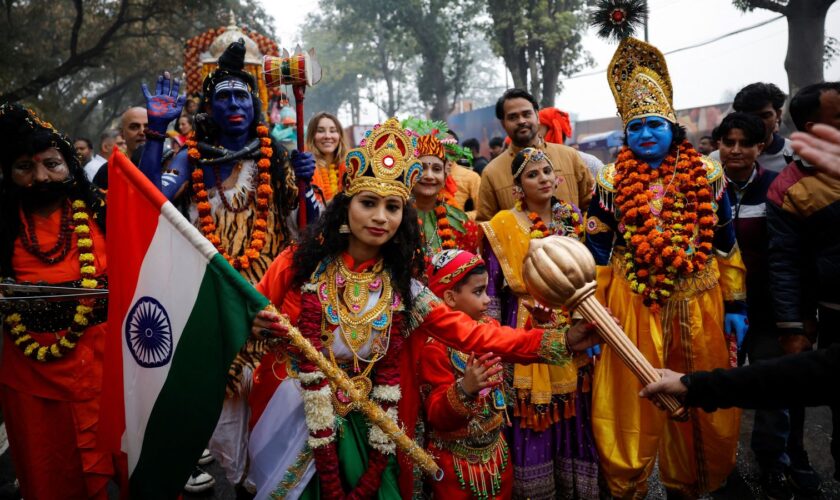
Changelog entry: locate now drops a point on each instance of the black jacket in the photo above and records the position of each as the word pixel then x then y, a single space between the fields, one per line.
pixel 803 224
pixel 806 379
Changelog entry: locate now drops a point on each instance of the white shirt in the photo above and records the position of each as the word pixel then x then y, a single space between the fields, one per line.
pixel 93 166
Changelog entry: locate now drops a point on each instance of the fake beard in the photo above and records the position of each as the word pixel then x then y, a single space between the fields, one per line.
pixel 44 193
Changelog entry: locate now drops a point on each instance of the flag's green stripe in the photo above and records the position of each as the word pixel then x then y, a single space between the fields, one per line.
pixel 188 407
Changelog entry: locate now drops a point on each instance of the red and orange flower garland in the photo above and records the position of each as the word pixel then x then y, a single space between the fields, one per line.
pixel 387 374
pixel 559 211
pixel 264 193
pixel 444 228
pixel 662 249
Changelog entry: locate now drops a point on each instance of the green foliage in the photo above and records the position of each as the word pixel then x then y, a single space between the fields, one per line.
pixel 443 31
pixel 454 151
pixel 539 40
pixel 63 61
pixel 425 127
pixel 361 46
pixel 406 51
pixel 749 5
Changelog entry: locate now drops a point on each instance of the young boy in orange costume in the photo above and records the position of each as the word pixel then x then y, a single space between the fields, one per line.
pixel 463 400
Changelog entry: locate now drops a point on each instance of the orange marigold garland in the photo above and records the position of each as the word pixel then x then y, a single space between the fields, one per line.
pixel 444 229
pixel 326 179
pixel 676 241
pixel 566 218
pixel 264 193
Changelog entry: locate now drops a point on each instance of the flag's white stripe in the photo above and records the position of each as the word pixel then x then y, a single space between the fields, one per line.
pixel 171 273
pixel 190 232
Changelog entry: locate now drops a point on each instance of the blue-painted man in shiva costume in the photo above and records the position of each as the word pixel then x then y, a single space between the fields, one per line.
pixel 227 151
pixel 669 268
pixel 239 188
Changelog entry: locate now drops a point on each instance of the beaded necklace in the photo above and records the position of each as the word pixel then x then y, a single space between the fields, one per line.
pixel 64 344
pixel 29 237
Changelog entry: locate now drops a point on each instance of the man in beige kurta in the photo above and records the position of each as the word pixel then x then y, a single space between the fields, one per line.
pixel 517 110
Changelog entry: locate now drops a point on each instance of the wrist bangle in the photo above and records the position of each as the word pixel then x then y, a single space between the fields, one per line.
pixel 461 391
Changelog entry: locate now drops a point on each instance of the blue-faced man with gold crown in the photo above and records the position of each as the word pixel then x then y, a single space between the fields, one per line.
pixel 670 270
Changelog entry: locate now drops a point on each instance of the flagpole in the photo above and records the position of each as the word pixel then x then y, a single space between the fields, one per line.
pixel 371 410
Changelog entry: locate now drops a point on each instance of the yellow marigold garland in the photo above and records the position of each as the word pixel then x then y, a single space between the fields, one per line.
pixel 333 173
pixel 81 319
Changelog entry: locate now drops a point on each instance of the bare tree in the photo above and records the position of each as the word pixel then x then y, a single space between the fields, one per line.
pixel 440 29
pixel 806 36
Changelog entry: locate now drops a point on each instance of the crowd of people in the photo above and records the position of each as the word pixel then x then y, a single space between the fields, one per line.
pixel 401 259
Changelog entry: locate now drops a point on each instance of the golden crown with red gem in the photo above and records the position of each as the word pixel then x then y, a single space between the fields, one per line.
pixel 385 162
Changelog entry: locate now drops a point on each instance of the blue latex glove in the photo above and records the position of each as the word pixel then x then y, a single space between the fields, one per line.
pixel 303 165
pixel 738 324
pixel 165 104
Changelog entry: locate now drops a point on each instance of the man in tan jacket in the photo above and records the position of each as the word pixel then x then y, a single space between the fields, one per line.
pixel 518 112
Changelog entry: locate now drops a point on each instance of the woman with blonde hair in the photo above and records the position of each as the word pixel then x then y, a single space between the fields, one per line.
pixel 325 139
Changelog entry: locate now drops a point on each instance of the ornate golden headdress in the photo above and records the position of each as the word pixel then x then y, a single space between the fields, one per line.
pixel 385 162
pixel 640 83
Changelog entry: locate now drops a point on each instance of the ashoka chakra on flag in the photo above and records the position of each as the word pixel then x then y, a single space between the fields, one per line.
pixel 148 333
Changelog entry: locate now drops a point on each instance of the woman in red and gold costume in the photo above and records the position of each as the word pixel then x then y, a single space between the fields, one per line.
pixel 659 227
pixel 51 232
pixel 444 225
pixel 552 447
pixel 350 288
pixel 325 140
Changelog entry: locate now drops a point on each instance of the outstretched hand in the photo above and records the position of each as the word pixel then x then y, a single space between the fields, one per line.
pixel 821 147
pixel 165 105
pixel 582 337
pixel 540 314
pixel 479 373
pixel 670 383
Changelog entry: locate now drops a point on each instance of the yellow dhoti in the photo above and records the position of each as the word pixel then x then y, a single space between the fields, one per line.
pixel 686 335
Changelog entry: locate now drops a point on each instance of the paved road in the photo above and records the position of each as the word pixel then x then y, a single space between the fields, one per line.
pixel 743 484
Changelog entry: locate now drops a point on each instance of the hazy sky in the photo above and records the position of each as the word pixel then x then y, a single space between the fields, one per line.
pixel 705 75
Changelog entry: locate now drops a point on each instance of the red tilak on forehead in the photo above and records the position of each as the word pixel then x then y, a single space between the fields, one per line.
pixel 36 158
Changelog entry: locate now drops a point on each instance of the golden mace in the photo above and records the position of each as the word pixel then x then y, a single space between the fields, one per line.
pixel 560 271
pixel 371 410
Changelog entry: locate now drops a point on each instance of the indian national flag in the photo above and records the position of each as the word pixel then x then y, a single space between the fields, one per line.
pixel 178 313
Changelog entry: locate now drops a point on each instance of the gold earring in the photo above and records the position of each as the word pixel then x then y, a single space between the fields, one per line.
pixel 344 229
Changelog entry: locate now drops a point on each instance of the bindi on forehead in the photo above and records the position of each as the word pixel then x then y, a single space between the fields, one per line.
pixel 44 155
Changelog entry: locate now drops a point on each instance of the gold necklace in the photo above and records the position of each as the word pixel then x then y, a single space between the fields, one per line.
pixel 355 323
pixel 341 401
